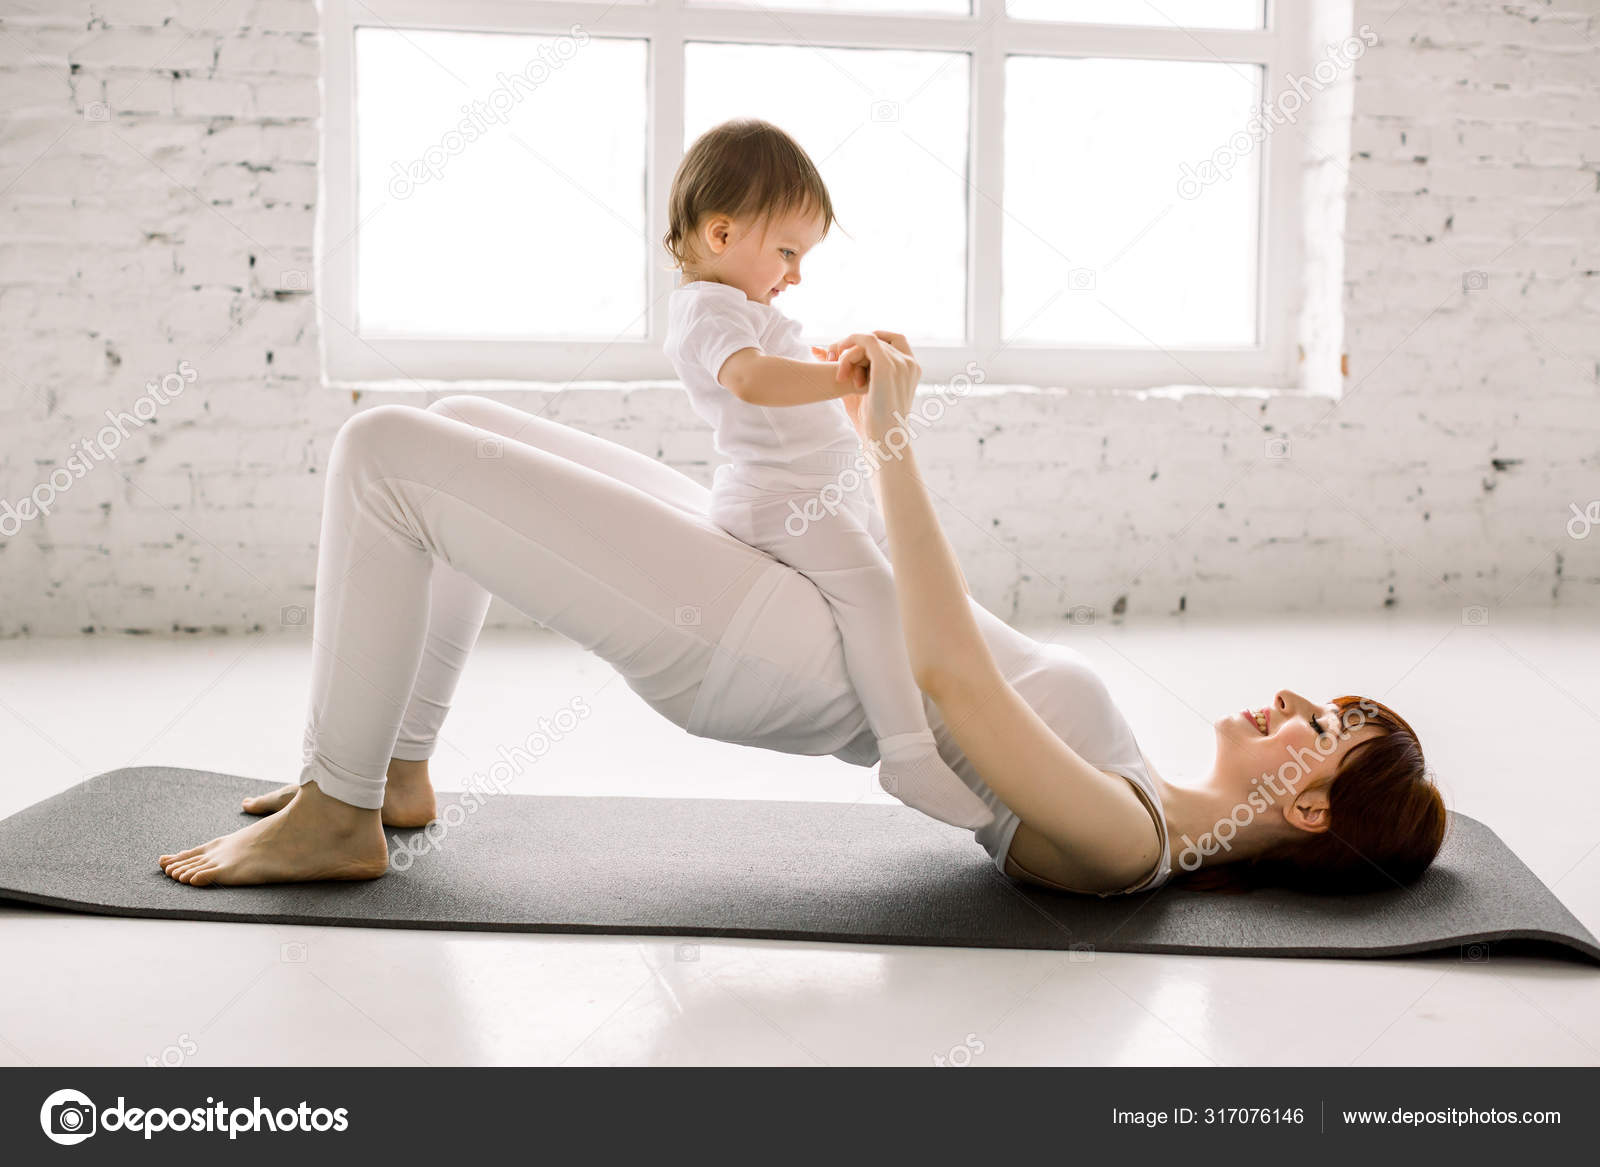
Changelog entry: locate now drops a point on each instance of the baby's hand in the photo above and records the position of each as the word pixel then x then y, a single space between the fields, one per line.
pixel 857 368
pixel 858 373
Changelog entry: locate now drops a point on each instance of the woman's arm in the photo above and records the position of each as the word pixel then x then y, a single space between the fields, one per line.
pixel 1077 808
pixel 852 406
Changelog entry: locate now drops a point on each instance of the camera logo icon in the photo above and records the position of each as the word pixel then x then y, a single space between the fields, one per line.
pixel 1584 521
pixel 68 1117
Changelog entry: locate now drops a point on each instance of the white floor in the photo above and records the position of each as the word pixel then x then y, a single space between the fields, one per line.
pixel 1508 713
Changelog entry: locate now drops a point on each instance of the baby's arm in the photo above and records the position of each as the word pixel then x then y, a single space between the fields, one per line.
pixel 760 379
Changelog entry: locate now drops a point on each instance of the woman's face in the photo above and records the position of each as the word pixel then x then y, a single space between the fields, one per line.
pixel 761 259
pixel 1290 745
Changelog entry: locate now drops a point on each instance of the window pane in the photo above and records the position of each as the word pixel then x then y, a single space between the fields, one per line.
pixel 958 7
pixel 1103 244
pixel 500 184
pixel 1166 13
pixel 888 133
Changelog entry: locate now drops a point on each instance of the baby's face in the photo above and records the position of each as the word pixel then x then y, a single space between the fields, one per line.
pixel 763 262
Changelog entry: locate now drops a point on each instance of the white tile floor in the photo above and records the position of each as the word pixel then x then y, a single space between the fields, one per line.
pixel 1508 712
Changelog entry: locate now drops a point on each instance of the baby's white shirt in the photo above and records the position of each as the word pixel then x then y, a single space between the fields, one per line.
pixel 707 323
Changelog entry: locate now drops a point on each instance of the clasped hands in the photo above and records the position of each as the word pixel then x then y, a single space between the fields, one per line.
pixel 884 375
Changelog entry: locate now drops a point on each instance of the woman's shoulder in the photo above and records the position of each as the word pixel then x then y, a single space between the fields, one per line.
pixel 1070 694
pixel 1124 858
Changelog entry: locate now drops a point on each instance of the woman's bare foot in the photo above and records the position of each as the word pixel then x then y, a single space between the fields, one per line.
pixel 316 837
pixel 408 799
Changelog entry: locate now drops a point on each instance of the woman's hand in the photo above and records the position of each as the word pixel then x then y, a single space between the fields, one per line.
pixel 831 353
pixel 884 362
pixel 852 407
pixel 850 401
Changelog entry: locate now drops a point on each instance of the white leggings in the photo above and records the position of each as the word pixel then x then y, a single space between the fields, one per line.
pixel 429 512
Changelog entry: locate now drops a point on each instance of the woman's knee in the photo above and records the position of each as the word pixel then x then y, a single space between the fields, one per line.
pixel 380 427
pixel 377 420
pixel 460 406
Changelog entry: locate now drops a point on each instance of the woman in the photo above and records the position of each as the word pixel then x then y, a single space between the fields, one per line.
pixel 429 512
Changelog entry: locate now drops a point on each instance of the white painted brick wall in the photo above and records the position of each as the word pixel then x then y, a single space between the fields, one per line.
pixel 158 235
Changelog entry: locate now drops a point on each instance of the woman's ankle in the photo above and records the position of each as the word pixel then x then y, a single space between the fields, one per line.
pixel 312 799
pixel 405 770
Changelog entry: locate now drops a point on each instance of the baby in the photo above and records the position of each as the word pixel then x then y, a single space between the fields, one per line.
pixel 746 205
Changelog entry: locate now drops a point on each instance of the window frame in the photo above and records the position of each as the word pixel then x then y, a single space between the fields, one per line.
pixel 987 35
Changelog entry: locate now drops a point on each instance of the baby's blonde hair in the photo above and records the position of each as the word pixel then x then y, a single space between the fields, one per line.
pixel 743 168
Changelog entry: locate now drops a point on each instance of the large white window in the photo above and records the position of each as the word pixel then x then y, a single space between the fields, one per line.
pixel 1030 185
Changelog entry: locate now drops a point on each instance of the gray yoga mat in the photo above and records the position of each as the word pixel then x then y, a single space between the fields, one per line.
pixel 718 867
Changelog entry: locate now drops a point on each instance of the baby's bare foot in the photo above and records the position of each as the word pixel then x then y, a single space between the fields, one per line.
pixel 316 837
pixel 408 798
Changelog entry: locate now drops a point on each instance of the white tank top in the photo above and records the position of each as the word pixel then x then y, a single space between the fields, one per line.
pixel 1062 687
pixel 778 681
